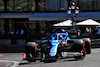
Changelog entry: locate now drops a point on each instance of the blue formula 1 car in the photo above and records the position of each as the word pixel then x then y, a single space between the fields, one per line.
pixel 60 46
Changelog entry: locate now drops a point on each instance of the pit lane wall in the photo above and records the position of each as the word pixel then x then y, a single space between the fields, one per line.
pixel 95 43
pixel 19 47
pixel 7 46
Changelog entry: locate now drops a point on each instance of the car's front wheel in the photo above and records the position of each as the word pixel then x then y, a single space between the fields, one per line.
pixel 31 51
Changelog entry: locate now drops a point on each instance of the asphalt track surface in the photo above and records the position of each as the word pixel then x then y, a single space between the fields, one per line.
pixel 14 60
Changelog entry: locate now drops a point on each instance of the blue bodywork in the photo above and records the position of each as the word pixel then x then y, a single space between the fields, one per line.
pixel 56 38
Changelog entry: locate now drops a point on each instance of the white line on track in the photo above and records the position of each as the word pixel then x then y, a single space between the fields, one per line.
pixel 8 63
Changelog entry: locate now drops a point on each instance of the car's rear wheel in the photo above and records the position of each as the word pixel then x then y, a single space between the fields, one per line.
pixel 79 46
pixel 87 45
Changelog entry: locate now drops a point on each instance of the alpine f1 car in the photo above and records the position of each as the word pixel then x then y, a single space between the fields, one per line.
pixel 60 46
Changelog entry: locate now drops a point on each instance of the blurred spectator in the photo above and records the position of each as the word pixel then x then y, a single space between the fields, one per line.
pixel 22 31
pixel 90 30
pixel 87 30
pixel 79 32
pixel 98 32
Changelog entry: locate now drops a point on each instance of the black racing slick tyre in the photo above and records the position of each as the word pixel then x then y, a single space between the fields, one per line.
pixel 30 50
pixel 79 45
pixel 87 45
pixel 31 47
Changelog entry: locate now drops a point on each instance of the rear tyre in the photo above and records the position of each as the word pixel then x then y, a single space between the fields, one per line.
pixel 79 46
pixel 87 45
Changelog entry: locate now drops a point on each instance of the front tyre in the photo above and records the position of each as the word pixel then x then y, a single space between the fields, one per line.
pixel 31 51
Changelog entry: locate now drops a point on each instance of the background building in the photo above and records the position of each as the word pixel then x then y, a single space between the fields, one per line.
pixel 21 18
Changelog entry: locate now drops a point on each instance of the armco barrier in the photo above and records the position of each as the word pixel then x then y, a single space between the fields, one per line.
pixel 0 48
pixel 95 42
pixel 15 48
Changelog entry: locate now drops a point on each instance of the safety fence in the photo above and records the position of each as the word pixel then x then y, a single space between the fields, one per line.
pixel 95 42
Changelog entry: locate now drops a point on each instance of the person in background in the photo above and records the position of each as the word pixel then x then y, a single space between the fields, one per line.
pixel 17 32
pixel 98 32
pixel 79 32
pixel 90 30
pixel 20 32
pixel 87 30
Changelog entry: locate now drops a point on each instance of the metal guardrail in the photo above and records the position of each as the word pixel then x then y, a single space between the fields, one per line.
pixel 95 42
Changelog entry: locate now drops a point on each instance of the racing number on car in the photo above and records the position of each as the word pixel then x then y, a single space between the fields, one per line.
pixel 64 43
